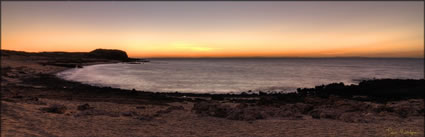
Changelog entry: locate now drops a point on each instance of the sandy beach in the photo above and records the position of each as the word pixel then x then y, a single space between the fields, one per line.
pixel 36 103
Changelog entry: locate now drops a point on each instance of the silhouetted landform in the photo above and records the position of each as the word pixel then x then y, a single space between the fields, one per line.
pixel 75 59
pixel 108 54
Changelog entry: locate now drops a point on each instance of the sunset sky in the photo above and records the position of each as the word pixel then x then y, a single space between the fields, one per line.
pixel 217 28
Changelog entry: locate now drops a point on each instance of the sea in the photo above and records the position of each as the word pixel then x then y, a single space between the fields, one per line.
pixel 236 75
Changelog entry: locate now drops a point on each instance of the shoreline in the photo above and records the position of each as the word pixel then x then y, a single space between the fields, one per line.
pixel 248 93
pixel 355 82
pixel 33 95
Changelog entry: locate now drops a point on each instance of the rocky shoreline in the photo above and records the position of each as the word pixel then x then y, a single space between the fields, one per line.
pixel 29 87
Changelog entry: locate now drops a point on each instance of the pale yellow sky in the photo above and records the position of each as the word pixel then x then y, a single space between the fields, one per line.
pixel 218 29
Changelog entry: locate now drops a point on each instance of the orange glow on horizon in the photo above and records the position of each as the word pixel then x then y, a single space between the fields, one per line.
pixel 222 45
pixel 225 35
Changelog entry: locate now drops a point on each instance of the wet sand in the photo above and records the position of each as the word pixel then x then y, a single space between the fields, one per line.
pixel 35 103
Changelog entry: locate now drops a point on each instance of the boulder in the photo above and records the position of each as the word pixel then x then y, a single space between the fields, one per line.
pixel 129 113
pixel 84 107
pixel 55 108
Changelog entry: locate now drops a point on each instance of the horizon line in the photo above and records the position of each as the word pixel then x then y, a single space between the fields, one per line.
pixel 235 57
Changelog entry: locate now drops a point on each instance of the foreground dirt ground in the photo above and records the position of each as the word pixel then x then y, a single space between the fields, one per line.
pixel 22 119
pixel 26 110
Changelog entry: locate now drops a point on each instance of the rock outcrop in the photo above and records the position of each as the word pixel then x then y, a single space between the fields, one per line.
pixel 109 54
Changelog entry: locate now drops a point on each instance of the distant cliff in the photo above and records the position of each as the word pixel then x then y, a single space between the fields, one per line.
pixel 108 54
pixel 103 54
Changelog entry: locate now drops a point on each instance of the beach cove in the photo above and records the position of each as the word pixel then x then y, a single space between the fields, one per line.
pixel 34 99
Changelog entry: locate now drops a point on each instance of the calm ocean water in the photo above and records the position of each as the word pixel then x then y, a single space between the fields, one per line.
pixel 237 75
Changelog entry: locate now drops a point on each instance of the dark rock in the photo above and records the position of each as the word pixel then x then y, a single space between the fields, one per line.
pixel 18 96
pixel 217 97
pixel 141 107
pixel 84 107
pixel 129 113
pixel 299 117
pixel 145 117
pixel 96 112
pixel 34 100
pixel 329 114
pixel 109 54
pixel 266 100
pixel 315 114
pixel 55 108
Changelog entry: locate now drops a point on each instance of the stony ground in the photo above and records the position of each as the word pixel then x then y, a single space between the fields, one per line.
pixel 43 107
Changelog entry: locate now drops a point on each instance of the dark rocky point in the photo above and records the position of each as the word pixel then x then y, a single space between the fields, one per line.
pixel 109 54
